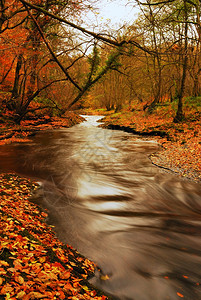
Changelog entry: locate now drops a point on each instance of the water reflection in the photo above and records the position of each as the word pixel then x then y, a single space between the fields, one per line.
pixel 142 226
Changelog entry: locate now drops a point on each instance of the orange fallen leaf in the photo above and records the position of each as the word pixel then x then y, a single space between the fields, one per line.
pixel 21 294
pixel 36 295
pixel 4 263
pixel 19 279
pixel 65 275
pixel 6 289
pixel 180 295
pixel 93 293
pixel 104 277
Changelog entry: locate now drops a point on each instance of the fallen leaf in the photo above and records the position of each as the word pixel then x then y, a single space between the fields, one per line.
pixel 104 277
pixel 180 295
pixel 21 294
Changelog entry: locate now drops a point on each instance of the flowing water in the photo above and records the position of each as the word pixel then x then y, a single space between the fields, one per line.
pixel 142 226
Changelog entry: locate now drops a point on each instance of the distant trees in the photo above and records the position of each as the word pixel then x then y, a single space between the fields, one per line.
pixel 168 65
pixel 44 60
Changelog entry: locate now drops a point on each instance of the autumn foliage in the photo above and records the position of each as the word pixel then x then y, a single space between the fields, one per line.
pixel 34 264
pixel 180 142
pixel 29 46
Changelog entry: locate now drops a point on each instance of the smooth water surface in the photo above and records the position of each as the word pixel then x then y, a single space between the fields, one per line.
pixel 140 225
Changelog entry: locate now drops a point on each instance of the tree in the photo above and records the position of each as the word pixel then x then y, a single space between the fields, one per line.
pixel 179 114
pixel 46 51
pixel 31 57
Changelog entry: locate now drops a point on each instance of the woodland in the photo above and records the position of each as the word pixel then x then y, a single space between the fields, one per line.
pixel 143 77
pixel 50 63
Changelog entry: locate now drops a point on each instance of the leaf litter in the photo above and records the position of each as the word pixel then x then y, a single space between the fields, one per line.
pixel 34 264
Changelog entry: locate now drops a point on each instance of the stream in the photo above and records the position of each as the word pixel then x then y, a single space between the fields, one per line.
pixel 141 225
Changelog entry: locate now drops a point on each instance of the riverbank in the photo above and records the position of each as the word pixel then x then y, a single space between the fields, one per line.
pixel 11 132
pixel 34 264
pixel 180 142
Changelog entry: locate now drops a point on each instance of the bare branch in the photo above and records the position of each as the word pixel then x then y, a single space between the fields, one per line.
pixel 156 3
pixel 8 71
pixel 51 51
pixel 43 88
pixel 97 36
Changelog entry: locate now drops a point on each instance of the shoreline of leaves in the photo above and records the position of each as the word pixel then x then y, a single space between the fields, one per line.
pixel 180 143
pixel 34 264
pixel 10 132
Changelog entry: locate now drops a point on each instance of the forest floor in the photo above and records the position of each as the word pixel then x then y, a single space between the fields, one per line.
pixel 10 132
pixel 180 142
pixel 34 264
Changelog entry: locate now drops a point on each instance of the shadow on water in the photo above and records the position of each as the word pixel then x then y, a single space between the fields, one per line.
pixel 141 226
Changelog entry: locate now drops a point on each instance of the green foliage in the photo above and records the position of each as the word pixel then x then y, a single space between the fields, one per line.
pixel 113 60
pixel 193 102
pixel 174 105
pixel 94 61
pixel 115 115
pixel 42 100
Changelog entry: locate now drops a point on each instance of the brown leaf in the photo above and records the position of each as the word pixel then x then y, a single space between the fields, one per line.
pixel 36 295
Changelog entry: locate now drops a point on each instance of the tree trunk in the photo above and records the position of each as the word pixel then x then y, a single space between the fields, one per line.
pixel 196 91
pixel 195 87
pixel 15 91
pixel 157 66
pixel 179 115
pixel 118 108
